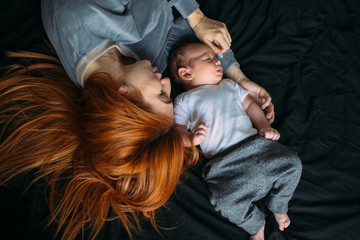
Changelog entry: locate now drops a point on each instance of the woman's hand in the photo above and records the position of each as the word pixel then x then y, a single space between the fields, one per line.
pixel 211 32
pixel 261 96
pixel 264 98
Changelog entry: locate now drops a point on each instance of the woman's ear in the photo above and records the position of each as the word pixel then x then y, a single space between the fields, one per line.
pixel 123 89
pixel 185 73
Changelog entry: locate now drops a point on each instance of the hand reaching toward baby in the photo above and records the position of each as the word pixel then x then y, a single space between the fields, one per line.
pixel 210 31
pixel 214 34
pixel 269 133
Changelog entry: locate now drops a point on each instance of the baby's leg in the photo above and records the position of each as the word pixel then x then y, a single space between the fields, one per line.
pixel 283 220
pixel 259 235
pixel 288 167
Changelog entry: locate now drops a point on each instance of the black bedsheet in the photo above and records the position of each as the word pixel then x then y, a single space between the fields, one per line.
pixel 307 55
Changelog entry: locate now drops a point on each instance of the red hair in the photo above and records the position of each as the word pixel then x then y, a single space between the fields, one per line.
pixel 117 158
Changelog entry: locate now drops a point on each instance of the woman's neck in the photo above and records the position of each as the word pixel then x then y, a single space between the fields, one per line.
pixel 111 62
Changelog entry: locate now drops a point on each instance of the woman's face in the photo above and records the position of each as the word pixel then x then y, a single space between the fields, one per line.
pixel 155 90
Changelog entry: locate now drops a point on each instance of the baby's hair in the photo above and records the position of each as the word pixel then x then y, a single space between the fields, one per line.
pixel 178 59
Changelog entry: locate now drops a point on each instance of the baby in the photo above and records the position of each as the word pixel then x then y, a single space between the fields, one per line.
pixel 245 163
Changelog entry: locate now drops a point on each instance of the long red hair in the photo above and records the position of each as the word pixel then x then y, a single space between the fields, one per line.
pixel 105 156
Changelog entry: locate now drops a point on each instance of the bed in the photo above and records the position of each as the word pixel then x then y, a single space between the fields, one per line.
pixel 307 55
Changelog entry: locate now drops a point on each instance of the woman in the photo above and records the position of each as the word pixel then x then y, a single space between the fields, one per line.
pixel 111 146
pixel 105 154
pixel 99 36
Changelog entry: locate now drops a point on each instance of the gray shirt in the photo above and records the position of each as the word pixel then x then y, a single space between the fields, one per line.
pixel 82 30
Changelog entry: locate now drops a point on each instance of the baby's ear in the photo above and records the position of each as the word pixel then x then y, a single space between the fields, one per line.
pixel 185 73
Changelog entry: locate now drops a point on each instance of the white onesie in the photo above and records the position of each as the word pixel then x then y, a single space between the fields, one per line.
pixel 220 108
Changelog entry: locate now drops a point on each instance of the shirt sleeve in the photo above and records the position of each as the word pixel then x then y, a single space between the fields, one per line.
pixel 75 28
pixel 228 60
pixel 185 7
pixel 181 116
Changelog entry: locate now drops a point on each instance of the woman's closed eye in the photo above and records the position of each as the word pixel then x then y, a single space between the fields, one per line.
pixel 164 97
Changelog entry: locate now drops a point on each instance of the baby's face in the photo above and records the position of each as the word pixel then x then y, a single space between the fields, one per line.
pixel 205 67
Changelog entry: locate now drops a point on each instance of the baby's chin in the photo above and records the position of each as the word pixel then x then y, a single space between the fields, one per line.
pixel 218 79
pixel 215 81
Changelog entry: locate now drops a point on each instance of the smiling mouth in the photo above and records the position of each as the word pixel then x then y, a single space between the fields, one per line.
pixel 220 71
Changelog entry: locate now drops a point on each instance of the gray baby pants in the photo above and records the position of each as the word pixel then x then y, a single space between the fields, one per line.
pixel 254 169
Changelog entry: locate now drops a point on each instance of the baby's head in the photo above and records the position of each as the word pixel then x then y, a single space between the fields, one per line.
pixel 195 64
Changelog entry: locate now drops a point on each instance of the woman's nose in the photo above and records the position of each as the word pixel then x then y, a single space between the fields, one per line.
pixel 165 81
pixel 217 62
pixel 158 75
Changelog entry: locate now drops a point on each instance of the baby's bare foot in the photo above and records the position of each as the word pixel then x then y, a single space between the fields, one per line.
pixel 259 235
pixel 283 220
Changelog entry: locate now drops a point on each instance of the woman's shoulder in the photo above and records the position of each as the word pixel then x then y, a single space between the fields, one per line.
pixel 84 8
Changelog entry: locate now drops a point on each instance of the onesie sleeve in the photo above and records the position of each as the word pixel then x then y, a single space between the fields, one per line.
pixel 181 115
pixel 242 92
pixel 185 7
pixel 239 90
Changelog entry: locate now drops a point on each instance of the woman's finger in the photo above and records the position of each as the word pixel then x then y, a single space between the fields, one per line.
pixel 227 35
pixel 266 100
pixel 221 43
pixel 270 113
pixel 215 47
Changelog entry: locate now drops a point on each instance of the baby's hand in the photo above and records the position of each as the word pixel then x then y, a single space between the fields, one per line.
pixel 269 133
pixel 199 133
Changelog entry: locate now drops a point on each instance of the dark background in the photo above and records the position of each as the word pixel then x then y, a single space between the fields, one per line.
pixel 307 55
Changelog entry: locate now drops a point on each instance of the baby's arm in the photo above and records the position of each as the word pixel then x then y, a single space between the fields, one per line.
pixel 196 136
pixel 258 119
